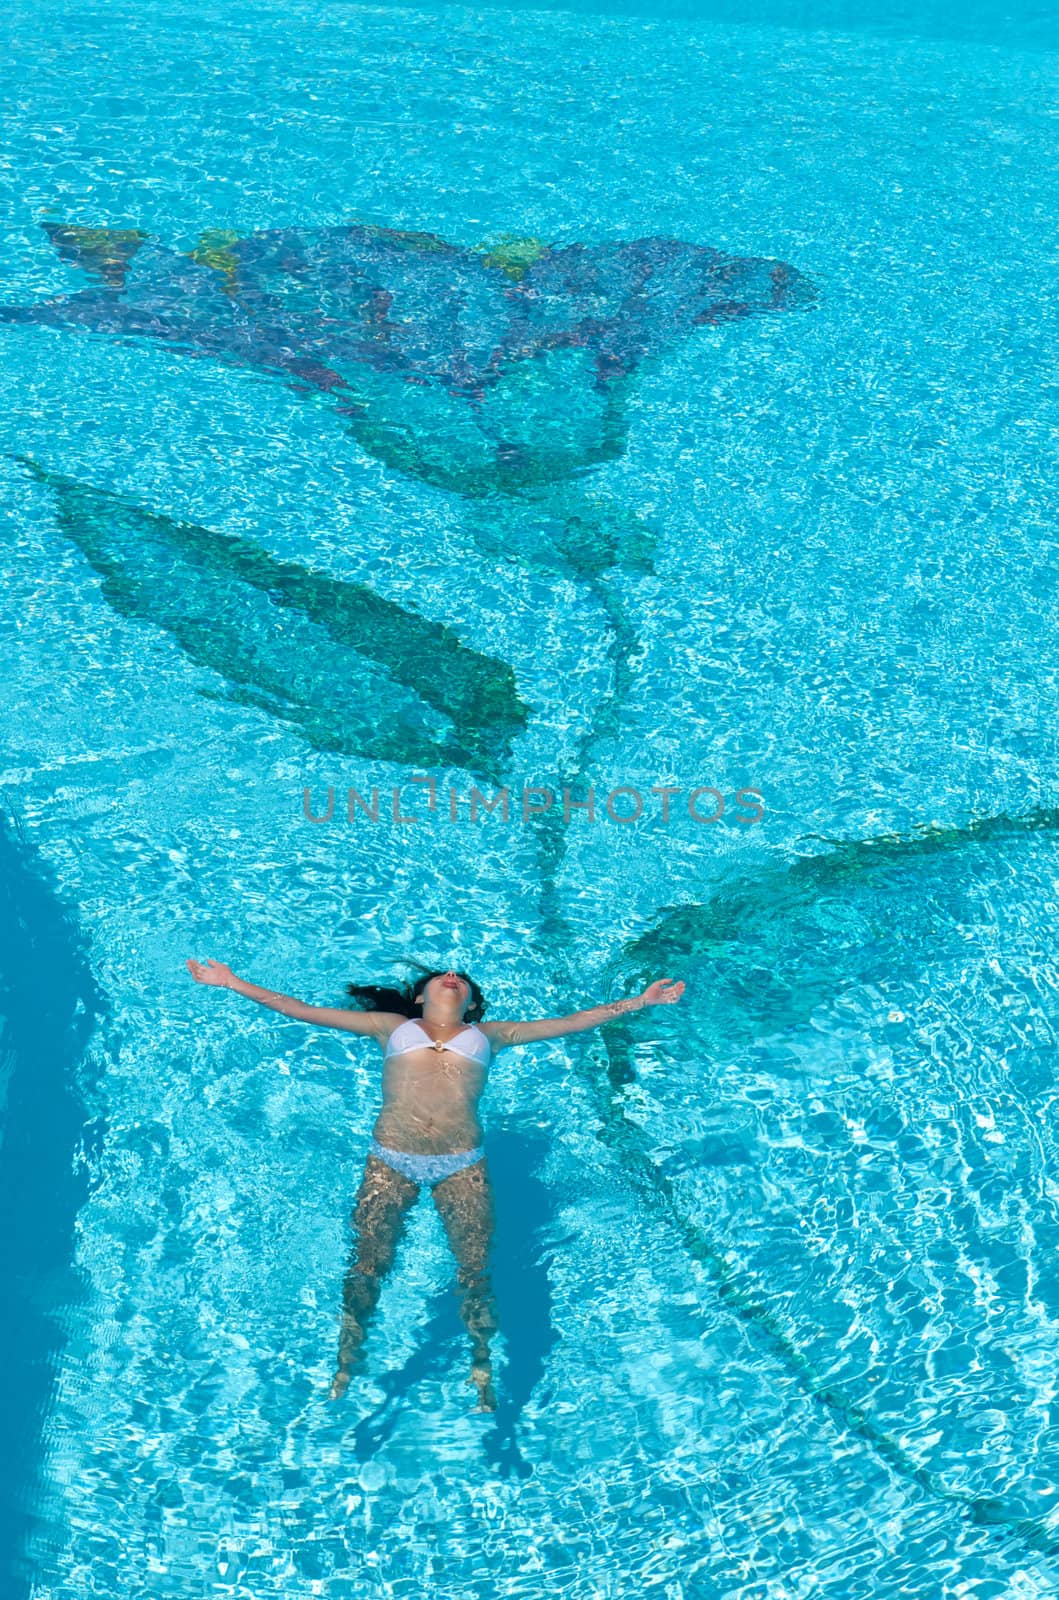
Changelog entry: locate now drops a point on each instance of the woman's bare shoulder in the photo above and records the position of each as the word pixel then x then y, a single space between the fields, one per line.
pixel 369 1024
pixel 498 1034
pixel 389 1022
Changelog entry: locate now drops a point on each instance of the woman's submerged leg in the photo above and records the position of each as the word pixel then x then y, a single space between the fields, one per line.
pixel 378 1223
pixel 465 1206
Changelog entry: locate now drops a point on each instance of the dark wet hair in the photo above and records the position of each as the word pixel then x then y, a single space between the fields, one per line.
pixel 380 997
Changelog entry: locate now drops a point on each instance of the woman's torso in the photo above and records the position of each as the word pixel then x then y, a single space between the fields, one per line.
pixel 430 1096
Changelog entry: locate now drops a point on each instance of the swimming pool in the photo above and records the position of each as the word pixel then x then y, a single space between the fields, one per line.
pixel 774 1267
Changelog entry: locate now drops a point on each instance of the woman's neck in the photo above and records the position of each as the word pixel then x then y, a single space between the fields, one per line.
pixel 434 1019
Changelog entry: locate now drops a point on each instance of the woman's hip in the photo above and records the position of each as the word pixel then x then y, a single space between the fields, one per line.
pixel 429 1169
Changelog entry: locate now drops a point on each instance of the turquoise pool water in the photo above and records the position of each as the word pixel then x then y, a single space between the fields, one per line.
pixel 775 1267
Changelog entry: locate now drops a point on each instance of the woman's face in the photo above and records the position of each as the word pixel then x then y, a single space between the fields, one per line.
pixel 448 986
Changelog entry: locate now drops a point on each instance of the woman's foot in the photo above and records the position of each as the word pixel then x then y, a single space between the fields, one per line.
pixel 339 1383
pixel 482 1379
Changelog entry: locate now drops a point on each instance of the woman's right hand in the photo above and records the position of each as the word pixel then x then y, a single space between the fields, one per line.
pixel 211 971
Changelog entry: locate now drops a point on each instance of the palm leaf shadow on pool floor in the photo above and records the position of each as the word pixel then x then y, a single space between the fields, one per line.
pixel 769 925
pixel 498 368
pixel 523 1242
pixel 323 654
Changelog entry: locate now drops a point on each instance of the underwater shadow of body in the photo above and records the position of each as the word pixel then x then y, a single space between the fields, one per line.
pixel 522 1245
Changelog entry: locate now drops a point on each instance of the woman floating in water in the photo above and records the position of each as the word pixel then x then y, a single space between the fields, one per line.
pixel 436 1057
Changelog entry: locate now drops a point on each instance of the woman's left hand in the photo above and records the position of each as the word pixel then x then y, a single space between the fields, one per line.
pixel 664 992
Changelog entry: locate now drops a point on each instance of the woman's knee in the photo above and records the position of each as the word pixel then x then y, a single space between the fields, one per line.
pixel 471 1250
pixel 361 1289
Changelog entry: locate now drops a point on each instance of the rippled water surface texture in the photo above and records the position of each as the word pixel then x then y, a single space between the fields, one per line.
pixel 656 403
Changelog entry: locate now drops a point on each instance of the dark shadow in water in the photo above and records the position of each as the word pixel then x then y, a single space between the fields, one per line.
pixel 474 371
pixel 49 1006
pixel 259 623
pixel 522 1245
pixel 770 925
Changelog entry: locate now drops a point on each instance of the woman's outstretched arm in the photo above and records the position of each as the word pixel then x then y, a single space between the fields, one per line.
pixel 377 1024
pixel 663 992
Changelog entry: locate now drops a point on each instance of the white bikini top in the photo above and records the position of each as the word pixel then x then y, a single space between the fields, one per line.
pixel 401 1041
